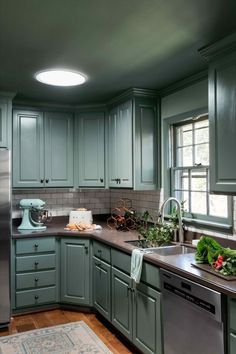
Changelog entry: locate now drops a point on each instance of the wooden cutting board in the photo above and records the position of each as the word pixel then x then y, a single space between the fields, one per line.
pixel 209 269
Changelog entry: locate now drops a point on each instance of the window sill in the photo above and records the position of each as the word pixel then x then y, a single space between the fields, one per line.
pixel 208 225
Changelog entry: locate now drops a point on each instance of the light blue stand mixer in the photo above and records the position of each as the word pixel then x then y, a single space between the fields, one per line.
pixel 29 206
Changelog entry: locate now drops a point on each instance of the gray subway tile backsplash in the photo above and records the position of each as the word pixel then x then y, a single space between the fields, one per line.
pixel 60 201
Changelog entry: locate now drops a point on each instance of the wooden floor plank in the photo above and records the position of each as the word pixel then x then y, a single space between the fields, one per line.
pixel 50 318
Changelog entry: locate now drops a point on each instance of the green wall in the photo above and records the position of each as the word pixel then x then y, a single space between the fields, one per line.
pixel 185 100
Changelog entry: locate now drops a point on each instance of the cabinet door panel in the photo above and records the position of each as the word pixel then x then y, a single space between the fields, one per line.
pixel 6 120
pixel 147 320
pixel 59 149
pixel 28 149
pixel 112 149
pixel 102 287
pixel 222 118
pixel 91 149
pixel 120 146
pixel 125 145
pixel 3 124
pixel 146 142
pixel 75 271
pixel 122 302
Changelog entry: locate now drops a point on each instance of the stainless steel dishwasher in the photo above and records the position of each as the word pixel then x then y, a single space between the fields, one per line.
pixel 192 317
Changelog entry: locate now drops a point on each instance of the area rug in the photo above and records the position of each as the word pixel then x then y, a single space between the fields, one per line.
pixel 71 338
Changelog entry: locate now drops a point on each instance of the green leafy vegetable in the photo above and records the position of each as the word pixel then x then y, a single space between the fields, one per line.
pixel 221 259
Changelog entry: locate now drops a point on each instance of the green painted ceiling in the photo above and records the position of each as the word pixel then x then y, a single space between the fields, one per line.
pixel 117 43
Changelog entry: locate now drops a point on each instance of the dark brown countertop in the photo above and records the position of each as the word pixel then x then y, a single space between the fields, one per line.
pixel 179 264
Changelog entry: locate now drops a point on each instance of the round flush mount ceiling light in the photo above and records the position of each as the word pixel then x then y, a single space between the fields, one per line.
pixel 60 77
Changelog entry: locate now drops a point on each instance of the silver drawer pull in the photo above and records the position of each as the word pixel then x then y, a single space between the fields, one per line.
pixel 36 280
pixel 36 297
pixel 36 263
pixel 36 245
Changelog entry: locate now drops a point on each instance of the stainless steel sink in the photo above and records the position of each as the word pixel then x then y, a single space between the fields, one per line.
pixel 171 250
pixel 166 250
pixel 143 244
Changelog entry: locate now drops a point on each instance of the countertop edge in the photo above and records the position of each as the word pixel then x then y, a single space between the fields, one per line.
pixel 168 262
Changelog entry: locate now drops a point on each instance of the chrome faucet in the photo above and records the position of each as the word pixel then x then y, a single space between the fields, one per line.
pixel 181 230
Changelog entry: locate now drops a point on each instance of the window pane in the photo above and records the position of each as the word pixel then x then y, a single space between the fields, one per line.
pixel 199 184
pixel 201 135
pixel 202 154
pixel 183 196
pixel 186 127
pixel 198 202
pixel 191 171
pixel 218 205
pixel 181 179
pixel 201 123
pixel 185 156
pixel 184 137
pixel 199 180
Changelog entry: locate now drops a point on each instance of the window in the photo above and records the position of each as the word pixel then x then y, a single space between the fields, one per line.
pixel 190 172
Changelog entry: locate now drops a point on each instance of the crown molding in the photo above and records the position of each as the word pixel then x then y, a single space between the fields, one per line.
pixel 133 92
pixel 182 84
pixel 18 103
pixel 94 106
pixel 7 94
pixel 217 49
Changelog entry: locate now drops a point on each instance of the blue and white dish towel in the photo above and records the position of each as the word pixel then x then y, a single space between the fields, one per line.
pixel 136 264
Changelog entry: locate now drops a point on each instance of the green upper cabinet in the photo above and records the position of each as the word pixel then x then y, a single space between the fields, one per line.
pixel 120 149
pixel 28 149
pixel 90 149
pixel 222 114
pixel 5 120
pixel 146 157
pixel 59 149
pixel 133 143
pixel 42 149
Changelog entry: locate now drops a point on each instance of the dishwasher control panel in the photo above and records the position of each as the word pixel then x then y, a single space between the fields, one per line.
pixel 196 294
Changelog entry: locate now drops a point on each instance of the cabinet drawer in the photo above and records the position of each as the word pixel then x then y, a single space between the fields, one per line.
pixel 43 261
pixel 232 314
pixel 35 297
pixel 121 260
pixel 35 245
pixel 150 273
pixel 102 251
pixel 36 279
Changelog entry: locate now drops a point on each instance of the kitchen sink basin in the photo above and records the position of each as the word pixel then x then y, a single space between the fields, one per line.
pixel 143 244
pixel 165 250
pixel 171 250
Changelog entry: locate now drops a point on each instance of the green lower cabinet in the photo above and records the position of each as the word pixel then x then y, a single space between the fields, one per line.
pixel 232 325
pixel 147 319
pixel 136 312
pixel 102 287
pixel 32 298
pixel 122 302
pixel 75 271
pixel 34 275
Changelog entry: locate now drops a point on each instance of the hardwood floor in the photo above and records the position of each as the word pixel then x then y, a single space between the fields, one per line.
pixel 32 321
